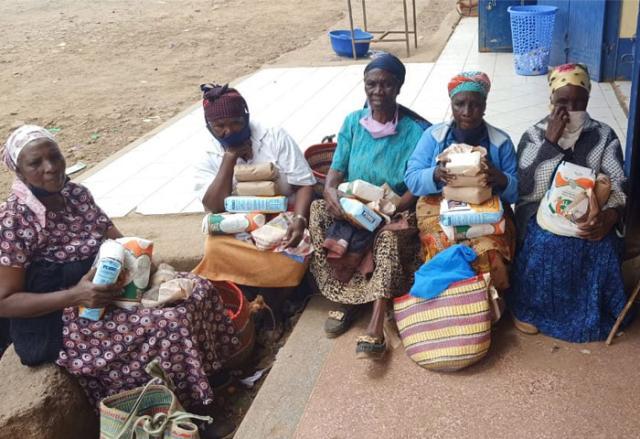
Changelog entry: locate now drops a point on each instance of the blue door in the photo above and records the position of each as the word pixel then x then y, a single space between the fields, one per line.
pixel 632 153
pixel 494 25
pixel 579 33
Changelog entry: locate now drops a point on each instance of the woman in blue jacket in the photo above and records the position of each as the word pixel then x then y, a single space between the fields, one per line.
pixel 426 177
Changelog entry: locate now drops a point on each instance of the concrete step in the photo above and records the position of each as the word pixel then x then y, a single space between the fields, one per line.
pixel 528 386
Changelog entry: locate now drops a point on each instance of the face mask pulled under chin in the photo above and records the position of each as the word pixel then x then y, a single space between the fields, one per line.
pixel 39 192
pixel 576 120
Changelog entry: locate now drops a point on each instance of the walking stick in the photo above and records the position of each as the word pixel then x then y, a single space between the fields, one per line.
pixel 623 314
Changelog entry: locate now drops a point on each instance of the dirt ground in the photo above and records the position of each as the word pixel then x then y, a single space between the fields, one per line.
pixel 101 74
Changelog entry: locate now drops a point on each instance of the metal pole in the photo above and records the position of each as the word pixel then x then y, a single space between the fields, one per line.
pixel 406 25
pixel 415 26
pixel 353 38
pixel 364 14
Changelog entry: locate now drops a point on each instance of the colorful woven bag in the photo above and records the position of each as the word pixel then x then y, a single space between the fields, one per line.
pixel 152 411
pixel 450 331
pixel 237 308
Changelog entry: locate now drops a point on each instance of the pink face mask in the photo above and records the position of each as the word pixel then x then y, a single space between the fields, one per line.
pixel 379 130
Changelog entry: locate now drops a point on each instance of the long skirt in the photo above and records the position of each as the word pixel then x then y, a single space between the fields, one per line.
pixel 569 288
pixel 395 257
pixel 192 339
pixel 494 252
pixel 229 259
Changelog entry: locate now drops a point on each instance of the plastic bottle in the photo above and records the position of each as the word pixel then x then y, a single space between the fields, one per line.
pixel 108 267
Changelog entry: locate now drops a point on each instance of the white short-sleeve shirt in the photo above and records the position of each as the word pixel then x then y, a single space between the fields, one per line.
pixel 269 145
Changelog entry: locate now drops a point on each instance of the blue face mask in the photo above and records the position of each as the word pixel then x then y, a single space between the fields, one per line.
pixel 39 192
pixel 235 139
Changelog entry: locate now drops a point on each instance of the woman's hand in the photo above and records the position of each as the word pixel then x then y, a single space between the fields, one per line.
pixel 295 232
pixel 330 195
pixel 492 177
pixel 599 226
pixel 243 151
pixel 442 174
pixel 90 295
pixel 558 120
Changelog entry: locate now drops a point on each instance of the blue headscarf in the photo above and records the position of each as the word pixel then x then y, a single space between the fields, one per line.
pixel 388 63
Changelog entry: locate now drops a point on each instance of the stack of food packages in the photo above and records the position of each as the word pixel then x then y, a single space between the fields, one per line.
pixel 468 209
pixel 367 205
pixel 257 213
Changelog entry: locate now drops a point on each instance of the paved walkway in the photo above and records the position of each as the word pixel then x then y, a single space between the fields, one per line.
pixel 155 177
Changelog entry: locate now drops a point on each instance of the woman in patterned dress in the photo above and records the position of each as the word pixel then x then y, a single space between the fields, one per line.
pixel 374 145
pixel 50 232
pixel 426 177
pixel 565 287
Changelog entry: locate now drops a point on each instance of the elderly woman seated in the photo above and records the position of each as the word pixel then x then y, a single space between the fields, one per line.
pixel 237 140
pixel 50 232
pixel 569 287
pixel 374 145
pixel 427 175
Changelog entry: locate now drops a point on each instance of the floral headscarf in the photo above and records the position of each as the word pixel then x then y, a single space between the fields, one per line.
pixel 570 74
pixel 20 138
pixel 469 81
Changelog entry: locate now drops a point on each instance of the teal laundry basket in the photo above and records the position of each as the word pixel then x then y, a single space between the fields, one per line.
pixel 531 33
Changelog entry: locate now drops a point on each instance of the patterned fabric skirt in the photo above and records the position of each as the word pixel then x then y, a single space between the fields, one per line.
pixel 395 257
pixel 192 339
pixel 494 252
pixel 569 288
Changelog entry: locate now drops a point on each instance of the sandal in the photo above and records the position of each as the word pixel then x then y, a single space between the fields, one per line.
pixel 524 327
pixel 368 347
pixel 339 321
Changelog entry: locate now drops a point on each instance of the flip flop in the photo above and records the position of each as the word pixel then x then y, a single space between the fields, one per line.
pixel 340 320
pixel 371 348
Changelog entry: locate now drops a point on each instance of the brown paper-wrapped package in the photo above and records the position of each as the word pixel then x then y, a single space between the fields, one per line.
pixel 473 195
pixel 466 181
pixel 258 172
pixel 257 188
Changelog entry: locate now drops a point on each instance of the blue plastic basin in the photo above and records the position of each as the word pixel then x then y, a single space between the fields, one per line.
pixel 341 42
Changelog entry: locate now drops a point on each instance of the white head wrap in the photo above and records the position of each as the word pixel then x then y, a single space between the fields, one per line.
pixel 21 138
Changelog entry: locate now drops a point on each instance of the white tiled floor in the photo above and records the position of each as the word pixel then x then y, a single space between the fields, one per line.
pixel 311 102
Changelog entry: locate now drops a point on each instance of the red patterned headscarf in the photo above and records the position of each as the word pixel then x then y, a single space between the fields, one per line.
pixel 470 81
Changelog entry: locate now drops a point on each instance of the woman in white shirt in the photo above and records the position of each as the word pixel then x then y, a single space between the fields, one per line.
pixel 237 140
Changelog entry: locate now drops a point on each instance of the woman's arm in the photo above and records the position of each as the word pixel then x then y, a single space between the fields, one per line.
pixel 16 303
pixel 420 176
pixel 295 232
pixel 407 201
pixel 222 184
pixel 330 194
pixel 113 233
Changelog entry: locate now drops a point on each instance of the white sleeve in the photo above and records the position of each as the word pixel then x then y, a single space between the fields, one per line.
pixel 291 161
pixel 205 170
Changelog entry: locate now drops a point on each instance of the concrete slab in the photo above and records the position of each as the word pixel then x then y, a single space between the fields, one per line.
pixel 276 411
pixel 528 386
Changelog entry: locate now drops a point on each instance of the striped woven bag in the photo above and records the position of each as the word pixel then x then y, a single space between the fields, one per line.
pixel 149 412
pixel 449 332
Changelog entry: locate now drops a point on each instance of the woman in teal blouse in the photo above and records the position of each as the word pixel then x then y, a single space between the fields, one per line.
pixel 374 145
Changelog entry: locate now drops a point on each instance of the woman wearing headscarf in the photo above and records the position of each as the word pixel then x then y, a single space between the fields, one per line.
pixel 50 232
pixel 353 266
pixel 426 176
pixel 567 287
pixel 236 139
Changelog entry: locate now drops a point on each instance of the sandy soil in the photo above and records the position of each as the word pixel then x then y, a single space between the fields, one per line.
pixel 104 73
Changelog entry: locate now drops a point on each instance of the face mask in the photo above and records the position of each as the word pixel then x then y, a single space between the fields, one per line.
pixel 573 129
pixel 39 192
pixel 576 120
pixel 379 130
pixel 234 139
